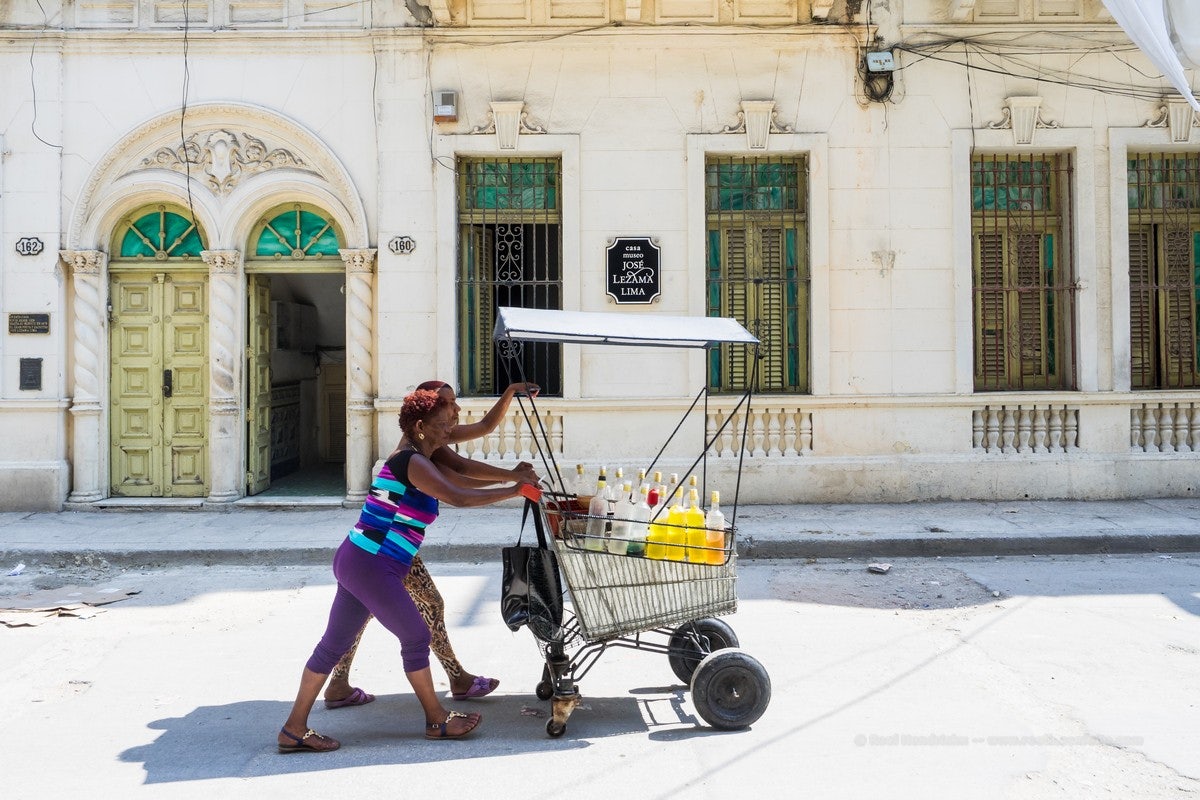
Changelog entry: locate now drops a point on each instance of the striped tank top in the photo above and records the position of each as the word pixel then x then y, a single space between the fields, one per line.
pixel 395 514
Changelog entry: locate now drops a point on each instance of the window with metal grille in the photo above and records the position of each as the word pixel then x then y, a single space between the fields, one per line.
pixel 510 254
pixel 757 258
pixel 1164 270
pixel 1023 282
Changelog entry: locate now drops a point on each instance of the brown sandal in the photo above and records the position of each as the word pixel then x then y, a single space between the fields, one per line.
pixel 310 742
pixel 438 730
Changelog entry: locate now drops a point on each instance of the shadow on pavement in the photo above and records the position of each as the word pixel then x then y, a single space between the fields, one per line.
pixel 237 740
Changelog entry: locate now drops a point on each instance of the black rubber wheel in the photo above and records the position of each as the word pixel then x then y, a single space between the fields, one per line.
pixel 685 655
pixel 545 690
pixel 730 689
pixel 555 729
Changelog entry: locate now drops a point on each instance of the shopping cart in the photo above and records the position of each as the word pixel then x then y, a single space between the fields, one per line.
pixel 662 605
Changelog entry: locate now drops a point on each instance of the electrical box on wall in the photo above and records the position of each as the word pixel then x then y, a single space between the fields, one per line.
pixel 880 62
pixel 445 106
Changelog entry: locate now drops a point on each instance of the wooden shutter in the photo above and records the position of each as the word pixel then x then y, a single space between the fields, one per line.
pixel 990 322
pixel 1177 301
pixel 737 301
pixel 1143 362
pixel 1031 297
pixel 770 308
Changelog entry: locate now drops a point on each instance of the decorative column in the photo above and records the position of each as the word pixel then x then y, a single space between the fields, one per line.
pixel 226 307
pixel 89 344
pixel 360 371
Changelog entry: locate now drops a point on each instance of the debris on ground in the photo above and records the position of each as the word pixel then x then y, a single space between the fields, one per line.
pixel 879 569
pixel 30 609
pixel 15 571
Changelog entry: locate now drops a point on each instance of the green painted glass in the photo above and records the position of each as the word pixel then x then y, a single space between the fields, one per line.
pixel 752 186
pixel 297 234
pixel 1011 185
pixel 161 232
pixel 513 185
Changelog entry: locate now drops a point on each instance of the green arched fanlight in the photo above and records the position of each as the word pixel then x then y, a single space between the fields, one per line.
pixel 161 234
pixel 297 234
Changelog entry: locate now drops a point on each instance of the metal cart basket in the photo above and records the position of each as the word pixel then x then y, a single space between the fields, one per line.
pixel 619 600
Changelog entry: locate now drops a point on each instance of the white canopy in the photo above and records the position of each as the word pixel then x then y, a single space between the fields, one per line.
pixel 592 327
pixel 1167 31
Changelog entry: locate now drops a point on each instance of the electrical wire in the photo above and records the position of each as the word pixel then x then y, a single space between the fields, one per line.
pixel 33 81
pixel 187 79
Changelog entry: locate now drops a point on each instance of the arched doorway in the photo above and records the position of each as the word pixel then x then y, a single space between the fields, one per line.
pixel 158 344
pixel 296 354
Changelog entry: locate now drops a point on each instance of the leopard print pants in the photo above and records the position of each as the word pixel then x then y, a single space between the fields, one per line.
pixel 429 602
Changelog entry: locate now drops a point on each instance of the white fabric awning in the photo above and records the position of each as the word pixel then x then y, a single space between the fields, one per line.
pixel 1167 31
pixel 594 327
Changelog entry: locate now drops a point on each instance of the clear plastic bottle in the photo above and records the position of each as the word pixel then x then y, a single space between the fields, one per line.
pixel 714 535
pixel 656 533
pixel 639 528
pixel 618 538
pixel 695 533
pixel 674 495
pixel 579 487
pixel 597 516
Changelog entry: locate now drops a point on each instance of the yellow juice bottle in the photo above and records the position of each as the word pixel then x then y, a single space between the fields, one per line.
pixel 656 534
pixel 676 539
pixel 696 535
pixel 714 521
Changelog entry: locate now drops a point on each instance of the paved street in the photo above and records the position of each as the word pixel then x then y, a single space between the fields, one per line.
pixel 1010 677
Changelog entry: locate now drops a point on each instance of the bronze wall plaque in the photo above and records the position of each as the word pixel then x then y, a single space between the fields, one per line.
pixel 28 323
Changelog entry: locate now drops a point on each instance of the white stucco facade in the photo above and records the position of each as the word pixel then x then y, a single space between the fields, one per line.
pixel 631 111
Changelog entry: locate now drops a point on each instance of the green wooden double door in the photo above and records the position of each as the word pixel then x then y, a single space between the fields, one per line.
pixel 158 426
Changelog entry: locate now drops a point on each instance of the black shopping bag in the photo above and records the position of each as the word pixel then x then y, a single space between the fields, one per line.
pixel 530 590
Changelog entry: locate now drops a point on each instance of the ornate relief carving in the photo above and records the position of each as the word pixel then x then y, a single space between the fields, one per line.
pixel 756 119
pixel 224 158
pixel 508 119
pixel 359 260
pixel 1022 115
pixel 83 262
pixel 1177 115
pixel 223 262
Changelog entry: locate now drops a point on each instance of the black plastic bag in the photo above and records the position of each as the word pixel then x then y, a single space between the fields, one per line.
pixel 530 589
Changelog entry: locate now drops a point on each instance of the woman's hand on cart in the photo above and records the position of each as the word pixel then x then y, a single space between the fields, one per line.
pixel 524 472
pixel 523 389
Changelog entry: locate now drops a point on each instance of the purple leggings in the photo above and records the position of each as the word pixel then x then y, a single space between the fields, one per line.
pixel 370 584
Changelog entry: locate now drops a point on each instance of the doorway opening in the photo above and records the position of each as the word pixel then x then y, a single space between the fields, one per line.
pixel 296 381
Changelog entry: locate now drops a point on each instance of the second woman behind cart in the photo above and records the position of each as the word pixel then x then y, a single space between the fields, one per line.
pixel 373 561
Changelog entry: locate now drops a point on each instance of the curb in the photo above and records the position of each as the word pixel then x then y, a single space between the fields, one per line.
pixel 748 549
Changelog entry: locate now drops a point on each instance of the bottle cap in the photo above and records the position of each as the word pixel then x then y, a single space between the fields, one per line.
pixel 716 497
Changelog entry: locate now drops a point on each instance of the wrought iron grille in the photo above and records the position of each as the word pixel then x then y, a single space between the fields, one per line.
pixel 510 254
pixel 1164 270
pixel 757 265
pixel 1023 274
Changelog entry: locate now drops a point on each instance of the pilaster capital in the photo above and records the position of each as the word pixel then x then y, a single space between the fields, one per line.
pixel 225 262
pixel 361 260
pixel 84 262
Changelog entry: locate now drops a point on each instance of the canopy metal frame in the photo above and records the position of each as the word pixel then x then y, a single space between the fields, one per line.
pixel 516 325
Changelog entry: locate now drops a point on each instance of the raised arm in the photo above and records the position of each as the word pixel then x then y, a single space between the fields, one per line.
pixel 491 420
pixel 450 461
pixel 425 475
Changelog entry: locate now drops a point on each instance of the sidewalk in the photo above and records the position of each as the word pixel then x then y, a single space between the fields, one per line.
pixel 255 533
